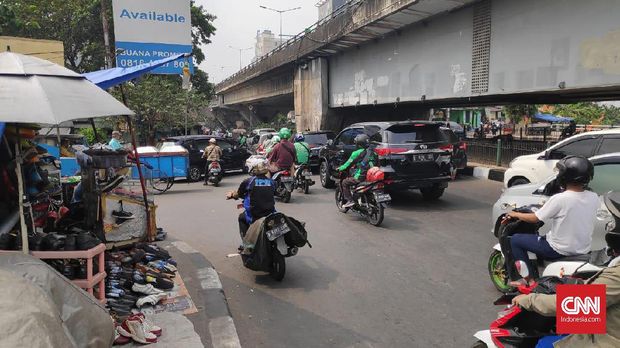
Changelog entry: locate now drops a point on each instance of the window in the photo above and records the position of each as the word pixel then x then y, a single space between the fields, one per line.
pixel 605 178
pixel 583 147
pixel 403 134
pixel 201 144
pixel 609 145
pixel 224 145
pixel 450 136
pixel 318 138
pixel 347 137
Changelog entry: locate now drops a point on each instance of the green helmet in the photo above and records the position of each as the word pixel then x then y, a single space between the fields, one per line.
pixel 284 133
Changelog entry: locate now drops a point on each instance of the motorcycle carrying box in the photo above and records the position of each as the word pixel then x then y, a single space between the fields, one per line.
pixel 257 253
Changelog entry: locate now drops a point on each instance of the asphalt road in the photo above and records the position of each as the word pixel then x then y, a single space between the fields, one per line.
pixel 419 280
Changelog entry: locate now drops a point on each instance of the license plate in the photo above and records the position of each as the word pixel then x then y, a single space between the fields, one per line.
pixel 422 157
pixel 382 197
pixel 277 231
pixel 286 179
pixel 307 174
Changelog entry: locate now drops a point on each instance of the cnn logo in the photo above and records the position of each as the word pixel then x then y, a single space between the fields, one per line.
pixel 581 309
pixel 573 305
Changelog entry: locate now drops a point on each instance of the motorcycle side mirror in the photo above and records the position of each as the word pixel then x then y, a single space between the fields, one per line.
pixel 522 269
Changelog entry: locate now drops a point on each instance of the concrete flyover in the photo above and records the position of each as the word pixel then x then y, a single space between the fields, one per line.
pixel 379 59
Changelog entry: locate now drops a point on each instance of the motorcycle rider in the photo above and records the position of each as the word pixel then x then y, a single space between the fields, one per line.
pixel 302 150
pixel 257 193
pixel 570 214
pixel 545 304
pixel 283 154
pixel 273 141
pixel 358 164
pixel 212 153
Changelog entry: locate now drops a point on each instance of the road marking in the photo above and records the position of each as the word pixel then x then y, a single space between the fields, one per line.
pixel 184 247
pixel 223 333
pixel 209 278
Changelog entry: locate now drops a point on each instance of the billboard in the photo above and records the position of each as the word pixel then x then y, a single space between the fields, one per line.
pixel 148 30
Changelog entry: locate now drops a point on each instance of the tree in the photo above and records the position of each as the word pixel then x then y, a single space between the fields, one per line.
pixel 589 113
pixel 516 112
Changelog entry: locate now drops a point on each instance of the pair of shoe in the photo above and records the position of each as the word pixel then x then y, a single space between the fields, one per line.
pixel 138 328
pixel 162 266
pixel 146 289
pixel 150 300
pixel 348 204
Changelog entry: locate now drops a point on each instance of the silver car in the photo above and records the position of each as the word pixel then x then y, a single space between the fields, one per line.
pixel 606 178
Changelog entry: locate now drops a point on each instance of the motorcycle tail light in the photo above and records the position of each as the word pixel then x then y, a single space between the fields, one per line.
pixel 286 173
pixel 380 186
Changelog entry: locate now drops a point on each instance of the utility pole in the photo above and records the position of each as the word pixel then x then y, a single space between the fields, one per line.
pixel 109 57
pixel 240 53
pixel 280 12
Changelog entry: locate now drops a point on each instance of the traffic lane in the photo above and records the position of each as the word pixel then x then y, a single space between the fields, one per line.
pixel 426 266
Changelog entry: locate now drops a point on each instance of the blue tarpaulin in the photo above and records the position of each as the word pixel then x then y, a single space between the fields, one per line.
pixel 552 118
pixel 2 124
pixel 111 77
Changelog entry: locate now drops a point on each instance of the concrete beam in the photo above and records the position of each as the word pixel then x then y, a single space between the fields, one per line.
pixel 311 95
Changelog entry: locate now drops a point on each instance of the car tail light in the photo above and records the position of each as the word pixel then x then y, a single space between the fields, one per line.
pixel 384 151
pixel 448 147
pixel 463 146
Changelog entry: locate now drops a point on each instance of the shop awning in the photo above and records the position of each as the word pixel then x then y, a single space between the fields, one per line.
pixel 552 118
pixel 115 76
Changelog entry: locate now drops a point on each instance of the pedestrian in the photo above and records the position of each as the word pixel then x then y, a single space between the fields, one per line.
pixel 115 142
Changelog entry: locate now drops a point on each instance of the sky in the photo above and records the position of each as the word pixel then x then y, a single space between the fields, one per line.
pixel 237 22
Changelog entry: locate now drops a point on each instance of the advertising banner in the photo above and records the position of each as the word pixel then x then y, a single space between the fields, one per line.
pixel 148 30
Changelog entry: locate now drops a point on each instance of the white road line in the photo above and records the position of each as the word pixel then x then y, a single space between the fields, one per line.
pixel 184 247
pixel 209 279
pixel 223 333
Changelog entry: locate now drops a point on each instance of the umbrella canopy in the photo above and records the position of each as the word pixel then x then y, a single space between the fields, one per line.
pixel 552 118
pixel 34 90
pixel 115 76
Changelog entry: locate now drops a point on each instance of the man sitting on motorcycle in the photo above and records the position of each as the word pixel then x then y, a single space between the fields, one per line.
pixel 212 153
pixel 571 214
pixel 545 304
pixel 302 150
pixel 283 153
pixel 358 164
pixel 257 193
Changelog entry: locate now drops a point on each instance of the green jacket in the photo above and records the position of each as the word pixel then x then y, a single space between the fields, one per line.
pixel 303 152
pixel 361 164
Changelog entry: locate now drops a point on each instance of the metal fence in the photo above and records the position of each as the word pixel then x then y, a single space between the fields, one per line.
pixel 500 153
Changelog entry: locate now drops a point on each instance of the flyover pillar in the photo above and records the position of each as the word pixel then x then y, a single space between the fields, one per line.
pixel 310 90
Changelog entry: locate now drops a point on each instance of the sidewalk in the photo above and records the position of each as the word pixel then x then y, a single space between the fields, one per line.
pixel 483 171
pixel 212 324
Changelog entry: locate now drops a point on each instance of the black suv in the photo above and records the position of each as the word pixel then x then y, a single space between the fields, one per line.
pixel 316 140
pixel 414 154
pixel 233 156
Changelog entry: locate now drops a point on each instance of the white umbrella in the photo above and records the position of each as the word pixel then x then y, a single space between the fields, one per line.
pixel 34 90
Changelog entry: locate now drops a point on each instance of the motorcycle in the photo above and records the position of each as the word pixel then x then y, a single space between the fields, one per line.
pixel 303 179
pixel 579 266
pixel 284 185
pixel 269 241
pixel 369 196
pixel 214 173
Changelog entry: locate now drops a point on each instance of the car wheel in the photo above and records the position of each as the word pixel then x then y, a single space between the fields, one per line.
pixel 518 181
pixel 194 174
pixel 326 181
pixel 432 193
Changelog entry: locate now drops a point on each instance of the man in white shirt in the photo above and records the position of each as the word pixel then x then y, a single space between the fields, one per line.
pixel 571 214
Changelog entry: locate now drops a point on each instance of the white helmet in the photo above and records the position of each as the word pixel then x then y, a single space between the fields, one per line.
pixel 212 141
pixel 259 167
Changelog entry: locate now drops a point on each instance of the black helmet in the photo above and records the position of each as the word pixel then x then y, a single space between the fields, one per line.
pixel 362 140
pixel 574 170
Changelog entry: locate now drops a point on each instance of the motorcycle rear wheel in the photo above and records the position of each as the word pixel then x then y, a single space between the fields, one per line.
pixel 286 196
pixel 278 266
pixel 497 272
pixel 306 187
pixel 376 217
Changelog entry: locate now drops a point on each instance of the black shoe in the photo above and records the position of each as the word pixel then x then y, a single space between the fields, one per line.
pixel 109 186
pixel 70 244
pixel 85 241
pixel 121 214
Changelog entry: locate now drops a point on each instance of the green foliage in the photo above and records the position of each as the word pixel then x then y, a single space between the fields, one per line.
pixel 516 112
pixel 203 29
pixel 89 134
pixel 279 121
pixel 589 113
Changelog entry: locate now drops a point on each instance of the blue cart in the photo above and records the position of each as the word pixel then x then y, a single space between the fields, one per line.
pixel 161 167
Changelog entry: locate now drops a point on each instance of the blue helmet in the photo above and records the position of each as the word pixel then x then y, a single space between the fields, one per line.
pixel 299 138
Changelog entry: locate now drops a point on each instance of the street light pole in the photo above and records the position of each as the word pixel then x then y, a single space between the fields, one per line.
pixel 280 12
pixel 240 52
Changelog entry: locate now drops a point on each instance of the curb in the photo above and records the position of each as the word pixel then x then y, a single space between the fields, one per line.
pixel 484 173
pixel 220 325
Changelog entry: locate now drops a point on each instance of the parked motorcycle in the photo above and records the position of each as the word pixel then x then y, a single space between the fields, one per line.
pixel 369 196
pixel 284 185
pixel 270 240
pixel 303 178
pixel 214 173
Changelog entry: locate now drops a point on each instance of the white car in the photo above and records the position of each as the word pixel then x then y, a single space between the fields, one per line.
pixel 606 178
pixel 536 168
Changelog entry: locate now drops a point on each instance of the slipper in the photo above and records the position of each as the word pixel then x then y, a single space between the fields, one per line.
pixel 521 282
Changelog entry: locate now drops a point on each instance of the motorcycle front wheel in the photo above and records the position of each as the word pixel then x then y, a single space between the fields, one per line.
pixel 306 187
pixel 340 201
pixel 497 272
pixel 375 217
pixel 278 266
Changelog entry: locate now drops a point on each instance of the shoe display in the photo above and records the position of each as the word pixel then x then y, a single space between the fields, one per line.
pixel 150 300
pixel 133 328
pixel 146 289
pixel 85 241
pixel 121 213
pixel 70 242
pixel 150 327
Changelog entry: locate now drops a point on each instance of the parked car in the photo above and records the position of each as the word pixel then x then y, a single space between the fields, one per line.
pixel 606 169
pixel 233 157
pixel 258 147
pixel 255 135
pixel 316 140
pixel 412 153
pixel 537 167
pixel 459 148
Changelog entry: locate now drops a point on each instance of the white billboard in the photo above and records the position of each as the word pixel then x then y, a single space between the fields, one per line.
pixel 147 30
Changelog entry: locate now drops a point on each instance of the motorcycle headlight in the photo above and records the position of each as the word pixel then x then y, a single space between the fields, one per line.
pixel 610 226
